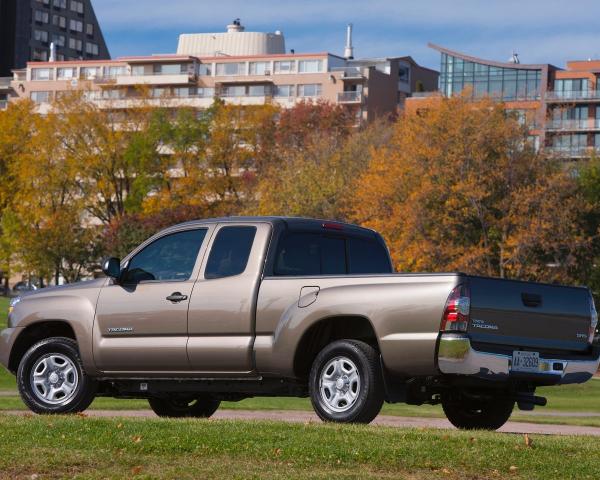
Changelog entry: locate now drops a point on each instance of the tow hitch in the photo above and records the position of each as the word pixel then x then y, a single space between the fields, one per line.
pixel 527 401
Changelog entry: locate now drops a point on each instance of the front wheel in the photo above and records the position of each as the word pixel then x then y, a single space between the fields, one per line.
pixel 200 407
pixel 471 412
pixel 346 384
pixel 51 378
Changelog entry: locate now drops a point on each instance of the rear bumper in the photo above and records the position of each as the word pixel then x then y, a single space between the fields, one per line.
pixel 456 356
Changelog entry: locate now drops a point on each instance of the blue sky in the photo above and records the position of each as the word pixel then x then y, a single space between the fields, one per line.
pixel 541 31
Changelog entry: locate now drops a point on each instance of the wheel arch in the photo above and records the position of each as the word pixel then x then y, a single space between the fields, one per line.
pixel 327 330
pixel 36 332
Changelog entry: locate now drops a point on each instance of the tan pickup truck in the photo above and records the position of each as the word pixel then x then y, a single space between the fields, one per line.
pixel 231 308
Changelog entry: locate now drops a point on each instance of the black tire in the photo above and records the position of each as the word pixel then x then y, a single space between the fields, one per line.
pixel 471 413
pixel 199 407
pixel 368 393
pixel 57 348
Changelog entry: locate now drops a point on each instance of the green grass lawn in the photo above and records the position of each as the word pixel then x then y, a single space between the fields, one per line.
pixel 575 398
pixel 82 447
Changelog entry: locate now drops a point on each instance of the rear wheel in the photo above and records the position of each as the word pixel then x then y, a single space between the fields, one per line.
pixel 345 383
pixel 471 412
pixel 199 407
pixel 51 378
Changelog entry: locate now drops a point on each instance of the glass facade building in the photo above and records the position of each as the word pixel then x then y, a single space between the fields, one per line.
pixel 484 80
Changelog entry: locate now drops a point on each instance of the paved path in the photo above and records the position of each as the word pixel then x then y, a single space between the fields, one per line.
pixel 385 420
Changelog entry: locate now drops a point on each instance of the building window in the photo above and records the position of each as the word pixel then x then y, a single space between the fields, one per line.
pixel 89 29
pixel 230 69
pixel 60 3
pixel 284 91
pixel 45 2
pixel 570 143
pixel 571 87
pixel 89 73
pixel 260 68
pixel 309 90
pixel 160 92
pixel 41 17
pixel 66 73
pixel 138 70
pixel 76 44
pixel 91 48
pixel 40 97
pixel 39 55
pixel 170 69
pixel 184 92
pixel 310 66
pixel 206 92
pixel 40 36
pixel 257 90
pixel 234 91
pixel 113 72
pixel 77 6
pixel 76 25
pixel 42 74
pixel 58 40
pixel 59 21
pixel 113 94
pixel 403 74
pixel 286 66
pixel 484 80
pixel 205 69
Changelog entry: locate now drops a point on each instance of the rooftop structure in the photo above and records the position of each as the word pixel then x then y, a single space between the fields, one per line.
pixel 234 42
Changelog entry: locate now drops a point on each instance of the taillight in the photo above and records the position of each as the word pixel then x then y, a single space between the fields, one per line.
pixel 594 322
pixel 457 310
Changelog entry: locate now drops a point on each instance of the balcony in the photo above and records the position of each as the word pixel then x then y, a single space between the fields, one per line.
pixel 157 79
pixel 350 97
pixel 573 96
pixel 572 152
pixel 585 125
pixel 350 73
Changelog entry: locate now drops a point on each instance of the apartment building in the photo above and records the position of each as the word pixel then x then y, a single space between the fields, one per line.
pixel 29 28
pixel 239 67
pixel 561 106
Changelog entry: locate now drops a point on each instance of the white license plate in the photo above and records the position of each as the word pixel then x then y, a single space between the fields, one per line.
pixel 525 361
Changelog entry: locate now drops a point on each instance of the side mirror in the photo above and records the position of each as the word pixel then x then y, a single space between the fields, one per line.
pixel 112 267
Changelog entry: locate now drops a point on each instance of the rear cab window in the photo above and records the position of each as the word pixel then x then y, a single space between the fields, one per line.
pixel 313 254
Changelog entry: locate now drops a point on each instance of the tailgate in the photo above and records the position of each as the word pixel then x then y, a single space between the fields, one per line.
pixel 525 314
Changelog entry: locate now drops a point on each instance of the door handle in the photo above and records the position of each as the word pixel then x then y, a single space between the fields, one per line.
pixel 177 297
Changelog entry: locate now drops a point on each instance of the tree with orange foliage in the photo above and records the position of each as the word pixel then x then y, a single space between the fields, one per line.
pixel 460 188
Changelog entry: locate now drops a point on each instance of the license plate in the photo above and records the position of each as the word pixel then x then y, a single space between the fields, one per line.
pixel 525 361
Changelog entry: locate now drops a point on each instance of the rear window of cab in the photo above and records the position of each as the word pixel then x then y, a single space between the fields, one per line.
pixel 310 254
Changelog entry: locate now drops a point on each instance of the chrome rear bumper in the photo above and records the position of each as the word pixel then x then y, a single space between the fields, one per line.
pixel 456 356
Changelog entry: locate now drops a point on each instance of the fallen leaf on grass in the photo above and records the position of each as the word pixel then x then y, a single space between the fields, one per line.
pixel 82 415
pixel 528 441
pixel 513 469
pixel 277 452
pixel 119 425
pixel 136 470
pixel 136 439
